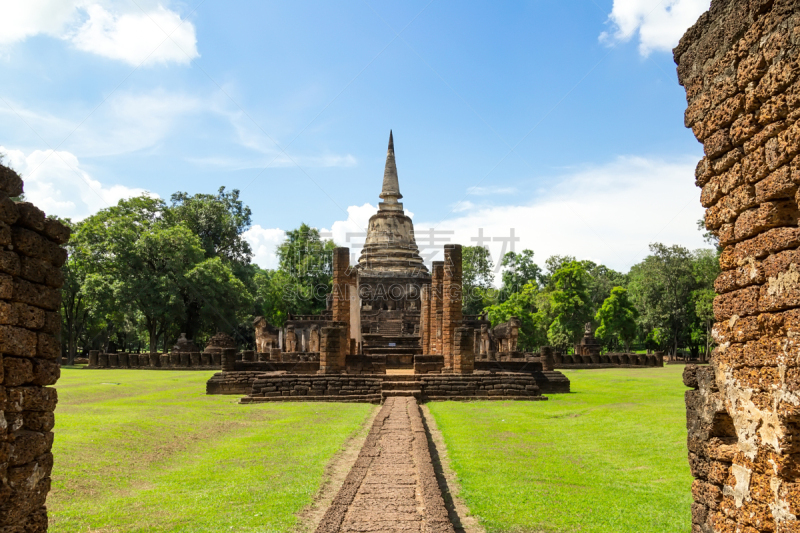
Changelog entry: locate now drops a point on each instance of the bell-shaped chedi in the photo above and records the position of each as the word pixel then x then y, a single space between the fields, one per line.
pixel 390 247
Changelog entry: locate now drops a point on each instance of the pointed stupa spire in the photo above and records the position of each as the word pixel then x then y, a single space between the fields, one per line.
pixel 391 188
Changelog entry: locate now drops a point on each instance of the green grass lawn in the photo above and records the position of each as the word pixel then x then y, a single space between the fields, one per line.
pixel 608 458
pixel 139 450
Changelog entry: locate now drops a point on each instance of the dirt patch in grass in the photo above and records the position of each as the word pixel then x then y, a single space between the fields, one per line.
pixel 335 473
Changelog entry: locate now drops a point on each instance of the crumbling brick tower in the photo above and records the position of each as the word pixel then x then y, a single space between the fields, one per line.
pixel 30 283
pixel 739 66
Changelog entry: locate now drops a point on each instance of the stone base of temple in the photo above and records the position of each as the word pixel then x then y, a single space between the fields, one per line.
pixel 375 388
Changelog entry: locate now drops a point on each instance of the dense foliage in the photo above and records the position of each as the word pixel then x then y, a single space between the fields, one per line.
pixel 663 303
pixel 142 272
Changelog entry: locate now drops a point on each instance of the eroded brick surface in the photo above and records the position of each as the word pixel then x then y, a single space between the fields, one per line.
pixel 30 257
pixel 740 66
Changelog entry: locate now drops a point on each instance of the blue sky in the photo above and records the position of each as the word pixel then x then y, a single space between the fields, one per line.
pixel 561 121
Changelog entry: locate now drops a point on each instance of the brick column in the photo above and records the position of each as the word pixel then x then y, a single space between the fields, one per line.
pixel 228 359
pixel 425 319
pixel 548 360
pixel 739 67
pixel 331 349
pixel 341 289
pixel 463 351
pixel 451 300
pixel 436 307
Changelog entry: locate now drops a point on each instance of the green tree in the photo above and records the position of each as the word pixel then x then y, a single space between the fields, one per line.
pixel 601 281
pixel 551 265
pixel 661 287
pixel 617 318
pixel 219 220
pixel 477 277
pixel 222 298
pixel 307 262
pixel 570 304
pixel 519 270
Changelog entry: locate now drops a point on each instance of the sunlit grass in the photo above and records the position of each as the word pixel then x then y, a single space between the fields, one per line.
pixel 608 458
pixel 147 450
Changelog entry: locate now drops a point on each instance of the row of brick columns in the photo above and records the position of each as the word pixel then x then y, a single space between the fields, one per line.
pixel 441 318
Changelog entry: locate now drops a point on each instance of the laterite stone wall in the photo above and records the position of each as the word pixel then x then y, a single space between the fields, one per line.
pixel 739 66
pixel 31 257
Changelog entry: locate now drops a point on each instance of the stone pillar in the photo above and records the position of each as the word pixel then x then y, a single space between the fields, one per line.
pixel 248 355
pixel 548 361
pixel 155 360
pixel 331 359
pixel 437 273
pixel 463 357
pixel 195 358
pixel 425 318
pixel 340 304
pixel 133 360
pixel 122 357
pixel 739 66
pixel 31 255
pixel 93 358
pixel 228 357
pixel 174 359
pixel 451 301
pixel 113 360
pixel 102 360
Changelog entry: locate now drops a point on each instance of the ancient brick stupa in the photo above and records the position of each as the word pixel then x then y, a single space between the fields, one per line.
pixel 391 274
pixel 390 249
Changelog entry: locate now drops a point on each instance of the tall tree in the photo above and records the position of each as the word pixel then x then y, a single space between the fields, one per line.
pixel 661 287
pixel 307 261
pixel 570 304
pixel 477 277
pixel 617 318
pixel 519 270
pixel 219 220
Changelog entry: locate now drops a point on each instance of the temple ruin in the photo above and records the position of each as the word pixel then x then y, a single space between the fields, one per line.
pixel 392 328
pixel 31 257
pixel 739 66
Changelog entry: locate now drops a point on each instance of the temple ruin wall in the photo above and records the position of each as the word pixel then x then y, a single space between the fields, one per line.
pixel 739 66
pixel 31 257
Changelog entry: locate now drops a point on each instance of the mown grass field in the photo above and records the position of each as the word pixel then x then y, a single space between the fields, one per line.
pixel 139 450
pixel 608 458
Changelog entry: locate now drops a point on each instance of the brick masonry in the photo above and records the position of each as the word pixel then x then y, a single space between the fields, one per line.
pixel 392 485
pixel 31 257
pixel 435 331
pixel 739 66
pixel 451 301
pixel 368 388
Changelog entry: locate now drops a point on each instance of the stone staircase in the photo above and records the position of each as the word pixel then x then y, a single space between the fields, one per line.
pixel 394 386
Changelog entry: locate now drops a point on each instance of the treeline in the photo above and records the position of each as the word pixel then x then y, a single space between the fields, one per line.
pixel 144 271
pixel 663 303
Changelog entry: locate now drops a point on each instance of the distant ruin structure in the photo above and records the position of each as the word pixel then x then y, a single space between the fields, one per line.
pixel 392 324
pixel 739 65
pixel 31 256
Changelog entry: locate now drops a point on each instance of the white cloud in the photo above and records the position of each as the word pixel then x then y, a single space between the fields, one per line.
pixel 125 123
pixel 56 184
pixel 263 242
pixel 157 36
pixel 114 29
pixel 660 24
pixel 607 213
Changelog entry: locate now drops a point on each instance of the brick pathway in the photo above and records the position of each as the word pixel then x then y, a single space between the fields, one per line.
pixel 392 486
